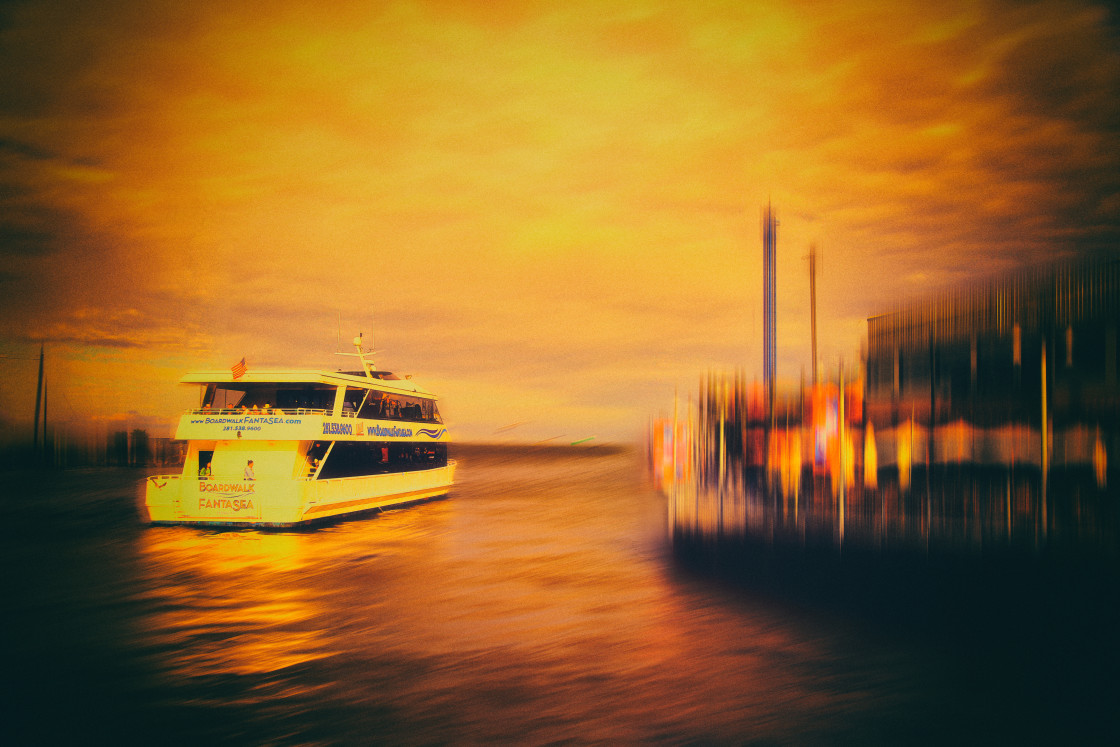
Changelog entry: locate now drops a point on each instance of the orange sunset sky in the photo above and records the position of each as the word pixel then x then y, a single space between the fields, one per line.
pixel 548 212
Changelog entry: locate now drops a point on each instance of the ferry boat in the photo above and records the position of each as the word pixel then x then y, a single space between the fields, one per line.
pixel 283 448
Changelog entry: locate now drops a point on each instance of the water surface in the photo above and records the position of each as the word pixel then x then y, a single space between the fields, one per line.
pixel 539 603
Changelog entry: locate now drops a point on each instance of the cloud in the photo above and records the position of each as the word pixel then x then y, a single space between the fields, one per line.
pixel 539 200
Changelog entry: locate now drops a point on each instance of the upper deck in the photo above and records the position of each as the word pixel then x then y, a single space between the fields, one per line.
pixel 310 405
pixel 377 380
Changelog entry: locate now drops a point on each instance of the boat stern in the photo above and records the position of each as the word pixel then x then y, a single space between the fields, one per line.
pixel 162 498
pixel 223 502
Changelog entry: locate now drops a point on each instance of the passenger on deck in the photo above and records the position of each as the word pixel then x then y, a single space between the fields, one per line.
pixel 249 473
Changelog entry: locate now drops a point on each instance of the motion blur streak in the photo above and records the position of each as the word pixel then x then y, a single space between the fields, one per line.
pixel 539 603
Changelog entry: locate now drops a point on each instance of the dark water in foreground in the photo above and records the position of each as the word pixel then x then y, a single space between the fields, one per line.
pixel 539 603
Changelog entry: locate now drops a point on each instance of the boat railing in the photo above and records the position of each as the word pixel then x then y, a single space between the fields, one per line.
pixel 258 411
pixel 346 413
pixel 321 480
pixel 350 413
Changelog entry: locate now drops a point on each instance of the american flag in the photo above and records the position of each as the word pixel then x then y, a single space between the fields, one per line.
pixel 239 369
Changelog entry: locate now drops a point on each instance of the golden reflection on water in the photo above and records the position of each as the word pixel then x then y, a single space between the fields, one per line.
pixel 242 602
pixel 538 604
pixel 221 604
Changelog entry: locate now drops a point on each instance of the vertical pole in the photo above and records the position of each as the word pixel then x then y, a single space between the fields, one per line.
pixel 38 402
pixel 1045 461
pixel 46 446
pixel 1045 439
pixel 673 461
pixel 722 400
pixel 800 440
pixel 843 467
pixel 769 240
pixel 929 434
pixel 813 304
pixel 932 403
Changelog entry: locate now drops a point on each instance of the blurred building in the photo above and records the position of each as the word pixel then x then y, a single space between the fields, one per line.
pixel 977 353
pixel 166 451
pixel 129 449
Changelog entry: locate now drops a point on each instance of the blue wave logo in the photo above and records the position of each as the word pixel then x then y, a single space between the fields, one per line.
pixel 430 432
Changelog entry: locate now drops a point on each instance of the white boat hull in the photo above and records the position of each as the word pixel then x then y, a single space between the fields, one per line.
pixel 286 502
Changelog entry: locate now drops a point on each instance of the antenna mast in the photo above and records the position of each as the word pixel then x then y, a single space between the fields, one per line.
pixel 367 366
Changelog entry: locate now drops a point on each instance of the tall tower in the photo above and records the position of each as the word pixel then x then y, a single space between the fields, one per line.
pixel 769 243
pixel 813 303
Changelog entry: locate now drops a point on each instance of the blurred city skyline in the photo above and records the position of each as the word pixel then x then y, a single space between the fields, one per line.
pixel 549 214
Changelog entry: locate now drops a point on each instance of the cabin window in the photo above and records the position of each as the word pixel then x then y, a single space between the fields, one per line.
pixel 306 398
pixel 353 400
pixel 388 406
pixel 221 398
pixel 236 396
pixel 373 407
pixel 357 458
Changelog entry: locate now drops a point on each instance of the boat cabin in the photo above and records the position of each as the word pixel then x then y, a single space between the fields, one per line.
pixel 319 398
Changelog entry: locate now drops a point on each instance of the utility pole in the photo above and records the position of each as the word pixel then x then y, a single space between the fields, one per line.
pixel 813 303
pixel 46 445
pixel 1045 430
pixel 39 404
pixel 769 243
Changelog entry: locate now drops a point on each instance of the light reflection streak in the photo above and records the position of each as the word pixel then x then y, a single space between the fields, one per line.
pixel 225 603
pixel 911 487
pixel 539 604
